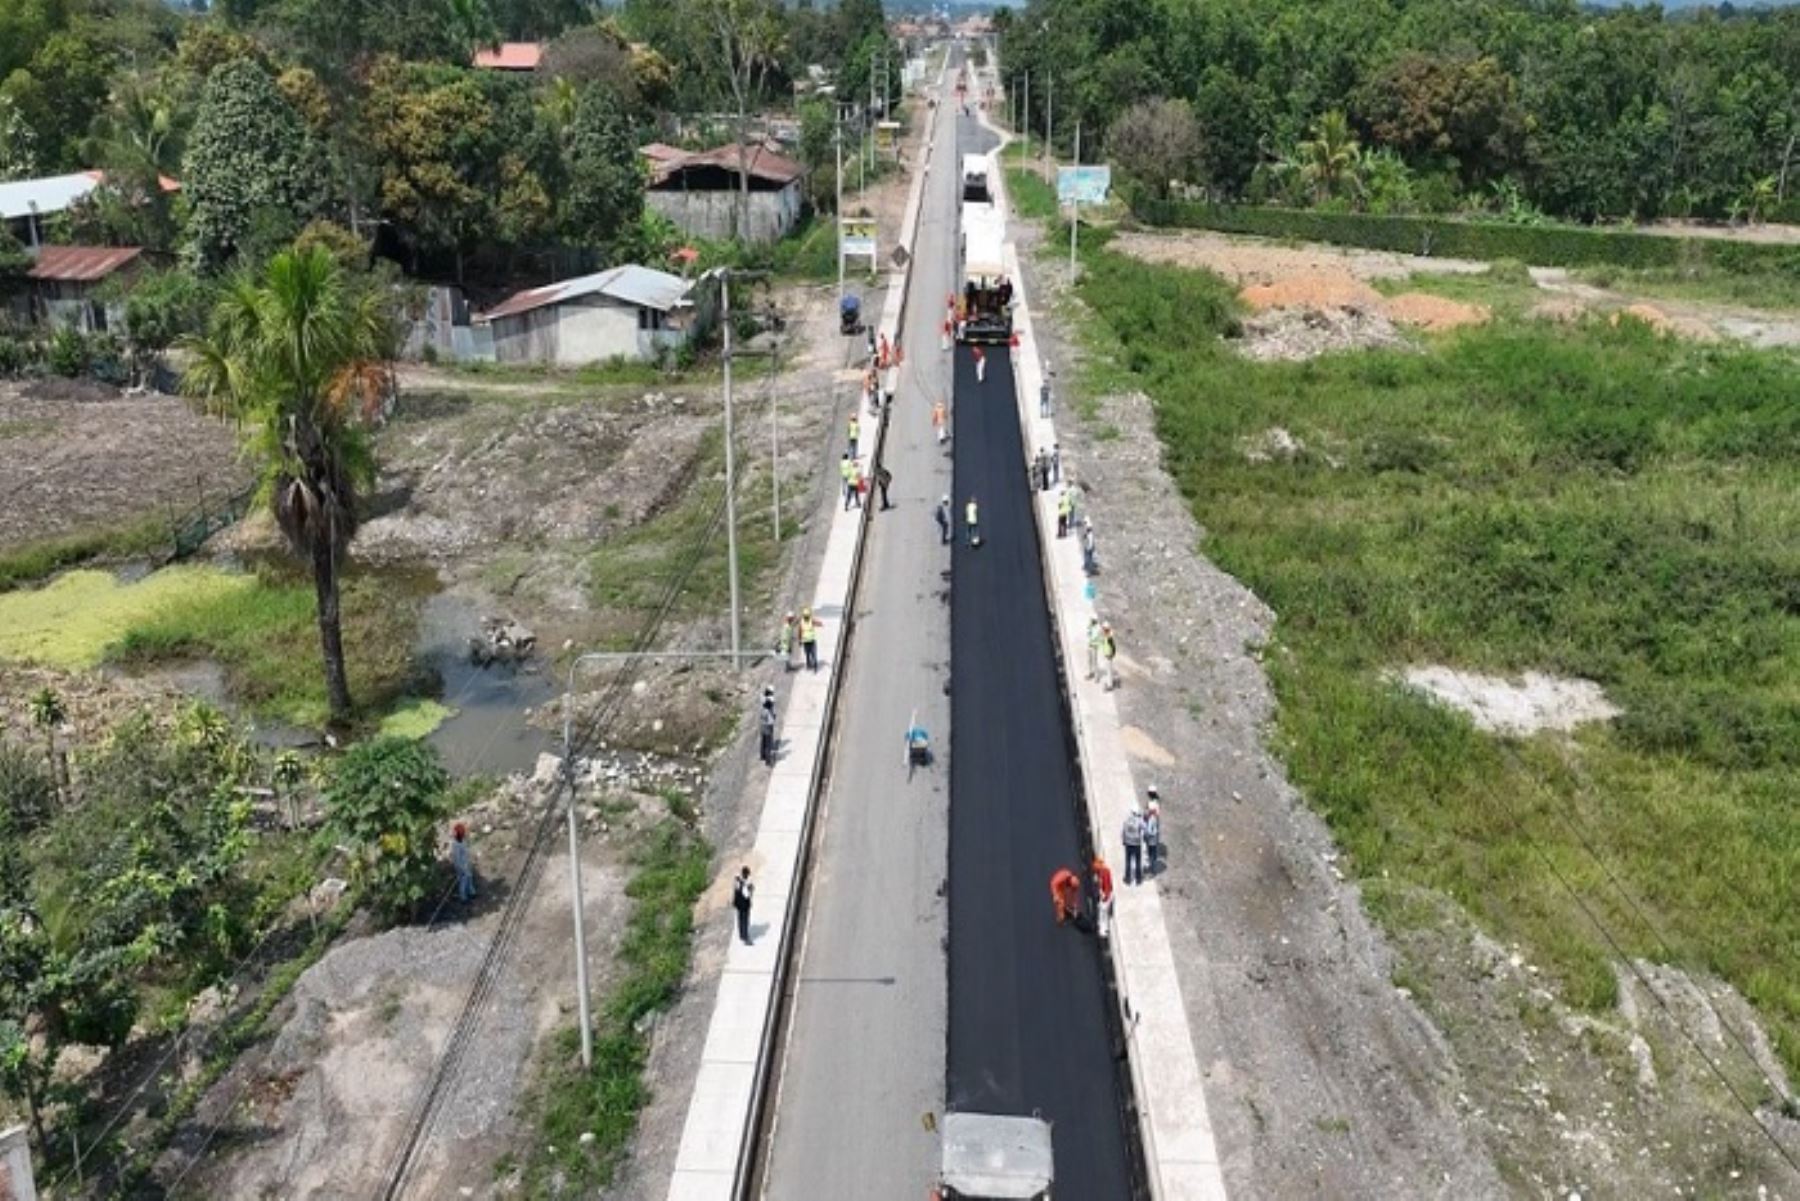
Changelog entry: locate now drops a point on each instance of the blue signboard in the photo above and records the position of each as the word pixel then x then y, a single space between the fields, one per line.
pixel 1082 185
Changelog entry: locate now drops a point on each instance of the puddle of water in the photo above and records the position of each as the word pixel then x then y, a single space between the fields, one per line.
pixel 488 733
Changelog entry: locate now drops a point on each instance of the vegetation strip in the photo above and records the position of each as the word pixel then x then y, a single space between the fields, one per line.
pixel 669 874
pixel 1593 501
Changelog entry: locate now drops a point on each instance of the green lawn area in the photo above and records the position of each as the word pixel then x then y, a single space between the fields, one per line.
pixel 1032 198
pixel 1584 500
pixel 263 629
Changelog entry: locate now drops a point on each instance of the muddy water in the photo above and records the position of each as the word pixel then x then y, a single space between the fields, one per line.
pixel 488 734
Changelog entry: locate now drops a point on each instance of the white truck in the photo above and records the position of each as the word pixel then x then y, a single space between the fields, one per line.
pixel 984 305
pixel 975 179
pixel 992 1158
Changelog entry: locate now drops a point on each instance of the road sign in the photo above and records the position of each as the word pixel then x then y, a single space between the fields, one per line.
pixel 1082 185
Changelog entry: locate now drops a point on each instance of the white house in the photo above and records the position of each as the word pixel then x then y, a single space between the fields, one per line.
pixel 625 312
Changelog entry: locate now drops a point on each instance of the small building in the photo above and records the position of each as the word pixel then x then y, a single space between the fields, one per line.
pixel 66 284
pixel 660 156
pixel 24 203
pixel 510 56
pixel 627 312
pixel 700 193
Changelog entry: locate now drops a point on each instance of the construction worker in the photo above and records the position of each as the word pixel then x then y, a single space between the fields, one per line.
pixel 972 522
pixel 1044 396
pixel 943 519
pixel 1065 894
pixel 1093 648
pixel 1152 833
pixel 1065 505
pixel 1088 562
pixel 809 639
pixel 855 434
pixel 883 478
pixel 1056 462
pixel 847 468
pixel 980 357
pixel 1102 877
pixel 1109 649
pixel 948 329
pixel 886 355
pixel 1132 835
pixel 459 859
pixel 784 642
pixel 766 725
pixel 940 421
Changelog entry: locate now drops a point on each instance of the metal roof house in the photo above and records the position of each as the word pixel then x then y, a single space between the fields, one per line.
pixel 24 203
pixel 700 192
pixel 510 56
pixel 627 312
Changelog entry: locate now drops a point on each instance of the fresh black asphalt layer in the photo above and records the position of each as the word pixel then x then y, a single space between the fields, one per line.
pixel 1028 1024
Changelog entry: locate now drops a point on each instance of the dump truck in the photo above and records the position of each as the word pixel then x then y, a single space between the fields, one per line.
pixel 975 179
pixel 984 306
pixel 987 1157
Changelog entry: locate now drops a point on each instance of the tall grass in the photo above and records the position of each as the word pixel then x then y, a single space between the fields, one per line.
pixel 1032 198
pixel 267 638
pixel 1592 500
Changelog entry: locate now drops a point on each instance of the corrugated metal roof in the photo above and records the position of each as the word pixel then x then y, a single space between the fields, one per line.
pixel 511 56
pixel 763 163
pixel 632 284
pixel 661 152
pixel 80 264
pixel 54 193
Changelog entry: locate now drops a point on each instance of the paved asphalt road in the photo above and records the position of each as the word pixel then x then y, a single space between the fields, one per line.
pixel 864 1059
pixel 1028 1006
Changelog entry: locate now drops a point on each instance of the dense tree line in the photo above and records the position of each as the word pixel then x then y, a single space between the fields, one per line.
pixel 366 115
pixel 1524 106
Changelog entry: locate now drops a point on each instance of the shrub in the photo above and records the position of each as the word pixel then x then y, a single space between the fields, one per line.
pixel 68 352
pixel 386 798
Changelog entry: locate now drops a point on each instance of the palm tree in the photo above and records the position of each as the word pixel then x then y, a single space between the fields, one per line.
pixel 47 713
pixel 1329 158
pixel 1759 198
pixel 300 361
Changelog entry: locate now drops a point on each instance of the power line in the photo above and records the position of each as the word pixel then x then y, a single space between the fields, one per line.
pixel 1618 950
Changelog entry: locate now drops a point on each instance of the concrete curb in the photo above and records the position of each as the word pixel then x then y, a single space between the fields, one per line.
pixel 725 1110
pixel 1180 1155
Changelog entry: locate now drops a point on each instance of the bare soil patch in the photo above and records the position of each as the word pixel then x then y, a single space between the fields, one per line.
pixel 1248 261
pixel 1434 314
pixel 83 456
pixel 1532 703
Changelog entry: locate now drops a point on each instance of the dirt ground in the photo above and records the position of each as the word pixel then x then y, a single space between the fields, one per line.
pixel 1311 299
pixel 83 456
pixel 1341 1060
pixel 321 1109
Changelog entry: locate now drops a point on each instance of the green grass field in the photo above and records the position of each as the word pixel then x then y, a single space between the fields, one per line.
pixel 1585 500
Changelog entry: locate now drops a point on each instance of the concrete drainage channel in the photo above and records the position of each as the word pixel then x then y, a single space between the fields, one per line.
pixel 724 1138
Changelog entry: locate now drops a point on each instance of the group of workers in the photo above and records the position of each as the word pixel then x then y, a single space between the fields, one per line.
pixel 802 631
pixel 1142 837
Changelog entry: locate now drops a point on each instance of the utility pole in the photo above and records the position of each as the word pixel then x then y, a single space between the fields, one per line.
pixel 1027 112
pixel 731 553
pixel 1050 120
pixel 1074 204
pixel 775 432
pixel 838 212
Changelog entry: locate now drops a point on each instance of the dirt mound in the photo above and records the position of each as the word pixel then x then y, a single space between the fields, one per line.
pixel 1435 313
pixel 1293 334
pixel 1312 290
pixel 1558 308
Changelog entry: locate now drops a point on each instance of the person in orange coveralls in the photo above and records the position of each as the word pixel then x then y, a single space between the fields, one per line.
pixel 1065 891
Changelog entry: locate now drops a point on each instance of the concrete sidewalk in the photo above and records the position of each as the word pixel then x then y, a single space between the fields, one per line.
pixel 721 1115
pixel 1175 1127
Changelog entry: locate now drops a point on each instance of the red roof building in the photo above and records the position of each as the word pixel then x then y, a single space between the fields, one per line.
pixel 80 264
pixel 511 56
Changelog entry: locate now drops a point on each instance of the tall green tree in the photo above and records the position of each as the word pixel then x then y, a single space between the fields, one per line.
pixel 604 196
pixel 741 42
pixel 251 172
pixel 300 360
